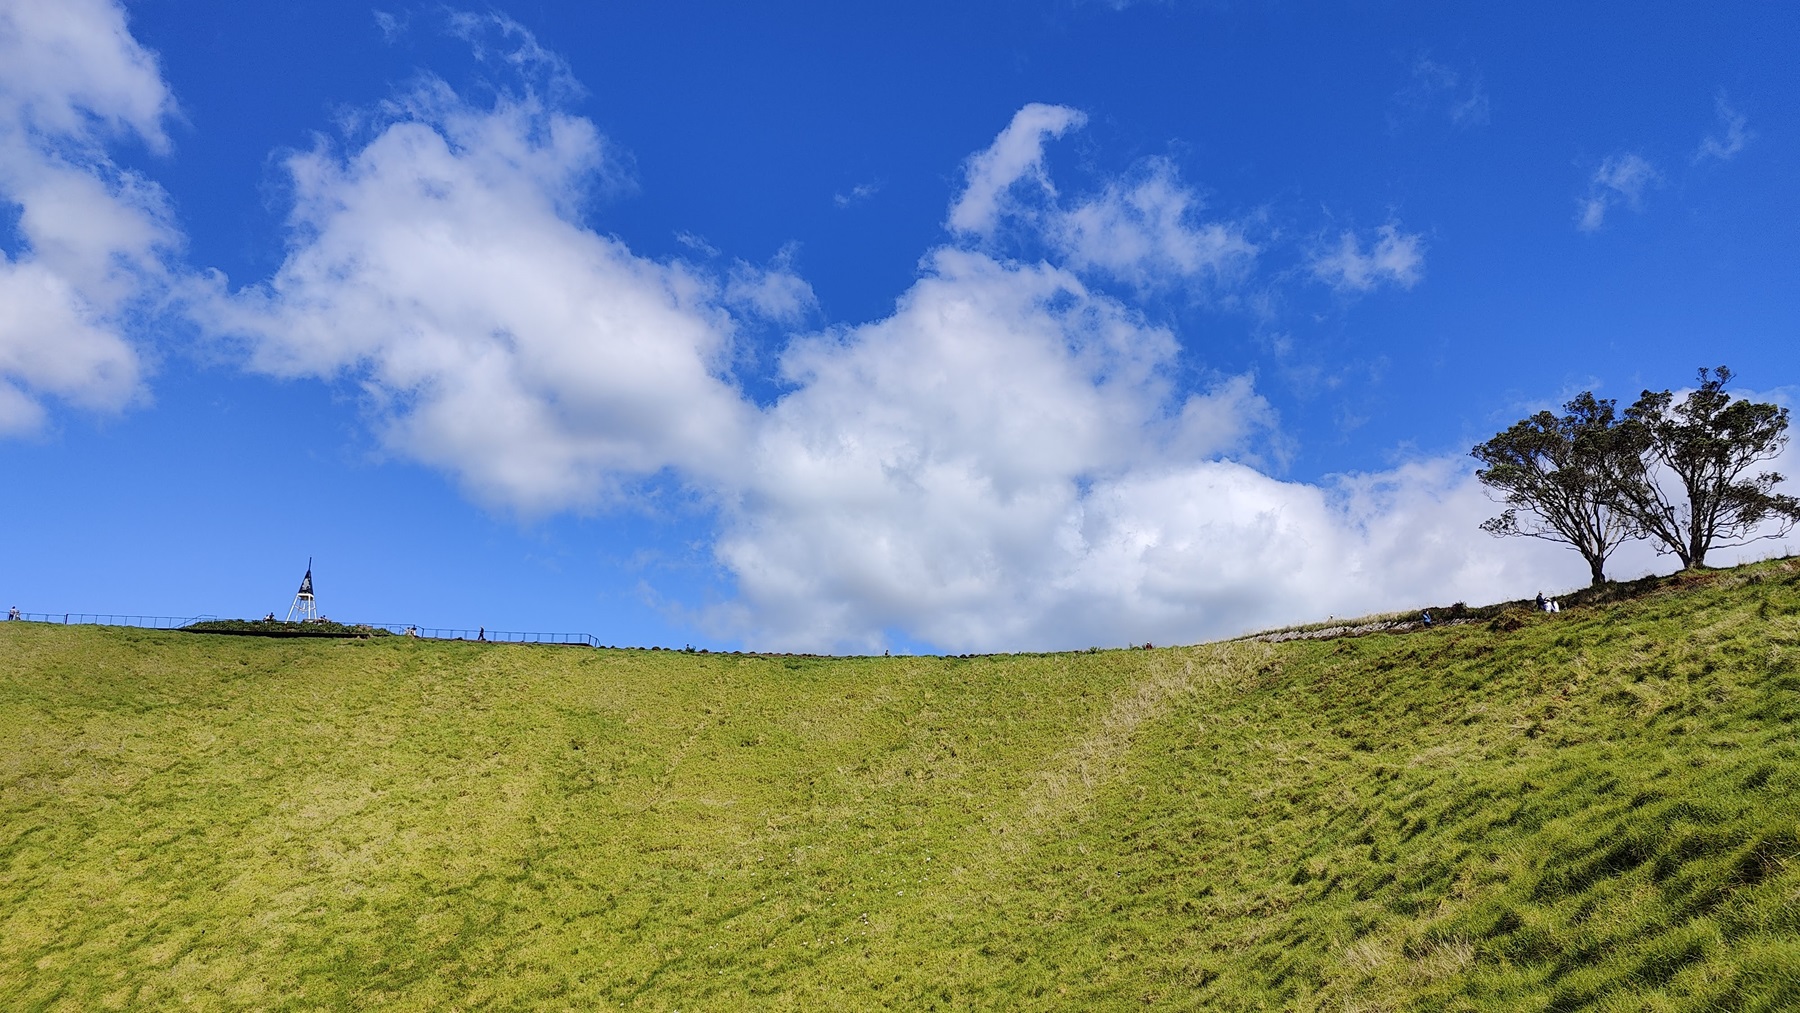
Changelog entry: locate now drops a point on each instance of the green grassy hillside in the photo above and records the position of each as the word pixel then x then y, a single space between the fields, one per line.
pixel 1595 810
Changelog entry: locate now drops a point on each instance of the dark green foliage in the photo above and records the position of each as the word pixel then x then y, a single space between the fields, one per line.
pixel 276 628
pixel 1678 474
pixel 1709 442
pixel 1555 470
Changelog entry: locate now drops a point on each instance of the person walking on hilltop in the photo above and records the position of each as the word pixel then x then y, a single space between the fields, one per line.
pixel 12 614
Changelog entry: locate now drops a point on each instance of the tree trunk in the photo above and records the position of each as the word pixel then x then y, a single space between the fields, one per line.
pixel 1685 553
pixel 1597 568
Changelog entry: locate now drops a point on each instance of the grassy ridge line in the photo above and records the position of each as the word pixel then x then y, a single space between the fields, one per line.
pixel 1406 620
pixel 1591 811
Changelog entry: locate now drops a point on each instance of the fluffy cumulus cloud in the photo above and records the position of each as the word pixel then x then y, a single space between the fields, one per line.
pixel 923 474
pixel 1620 179
pixel 1010 459
pixel 1002 463
pixel 88 256
pixel 443 266
pixel 1394 258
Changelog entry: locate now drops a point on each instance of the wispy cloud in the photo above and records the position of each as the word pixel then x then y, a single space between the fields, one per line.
pixel 696 243
pixel 774 293
pixel 1436 89
pixel 496 38
pixel 858 193
pixel 1394 257
pixel 1621 178
pixel 1146 230
pixel 1472 110
pixel 1016 155
pixel 1733 134
pixel 392 26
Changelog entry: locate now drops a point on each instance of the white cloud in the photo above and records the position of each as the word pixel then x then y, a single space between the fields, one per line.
pixel 1143 229
pixel 923 474
pixel 1164 551
pixel 91 237
pixel 1146 230
pixel 1395 257
pixel 72 70
pixel 1220 548
pixel 51 343
pixel 442 265
pixel 1620 178
pixel 1734 134
pixel 1018 153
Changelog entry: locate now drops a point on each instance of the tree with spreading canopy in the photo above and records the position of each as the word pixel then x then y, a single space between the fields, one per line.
pixel 1553 472
pixel 1708 443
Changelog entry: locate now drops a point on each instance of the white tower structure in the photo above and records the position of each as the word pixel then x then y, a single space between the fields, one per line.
pixel 304 609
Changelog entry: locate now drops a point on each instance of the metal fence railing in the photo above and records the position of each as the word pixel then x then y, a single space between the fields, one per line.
pixel 487 635
pixel 403 629
pixel 99 619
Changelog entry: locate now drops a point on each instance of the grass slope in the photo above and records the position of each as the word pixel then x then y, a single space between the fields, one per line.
pixel 1596 810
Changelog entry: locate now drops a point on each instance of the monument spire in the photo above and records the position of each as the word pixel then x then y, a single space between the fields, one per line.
pixel 304 607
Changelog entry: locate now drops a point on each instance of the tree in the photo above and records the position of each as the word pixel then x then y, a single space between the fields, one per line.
pixel 1708 443
pixel 1555 470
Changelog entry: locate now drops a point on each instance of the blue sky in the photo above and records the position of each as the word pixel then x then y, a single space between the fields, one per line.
pixel 852 327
